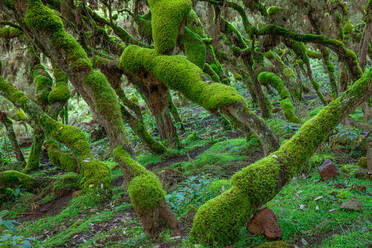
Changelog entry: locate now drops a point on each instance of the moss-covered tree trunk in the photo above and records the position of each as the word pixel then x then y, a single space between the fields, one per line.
pixel 219 220
pixel 135 120
pixel 33 160
pixel 47 30
pixel 12 137
pixel 366 36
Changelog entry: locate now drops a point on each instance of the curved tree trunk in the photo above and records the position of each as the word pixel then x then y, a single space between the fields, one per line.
pixel 12 137
pixel 219 220
pixel 33 160
pixel 47 30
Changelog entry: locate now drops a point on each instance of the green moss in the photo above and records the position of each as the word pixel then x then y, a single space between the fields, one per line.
pixel 195 49
pixel 179 74
pixel 348 28
pixel 105 98
pixel 363 162
pixel 76 56
pixel 13 178
pixel 317 160
pixel 225 226
pixel 60 92
pixel 67 181
pixel 20 115
pixel 288 110
pixel 43 84
pixel 42 18
pixel 167 17
pixel 273 10
pixel 145 190
pixel 61 159
pixel 33 160
pixel 350 169
pixel 274 244
pixel 300 49
pixel 10 32
pixel 193 23
pixel 285 103
pixel 219 220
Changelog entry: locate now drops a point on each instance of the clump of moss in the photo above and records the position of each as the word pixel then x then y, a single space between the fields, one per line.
pixel 60 159
pixel 13 178
pixel 9 32
pixel 273 10
pixel 219 220
pixel 285 103
pixel 348 28
pixel 43 84
pixel 145 190
pixel 195 49
pixel 166 18
pixel 179 74
pixel 67 182
pixel 274 244
pixel 60 93
pixel 363 162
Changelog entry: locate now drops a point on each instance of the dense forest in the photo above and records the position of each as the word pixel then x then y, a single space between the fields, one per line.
pixel 179 123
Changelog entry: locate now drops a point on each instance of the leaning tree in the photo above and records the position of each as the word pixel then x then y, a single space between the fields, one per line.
pixel 188 47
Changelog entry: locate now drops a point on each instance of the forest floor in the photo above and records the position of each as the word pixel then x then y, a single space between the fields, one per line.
pixel 308 209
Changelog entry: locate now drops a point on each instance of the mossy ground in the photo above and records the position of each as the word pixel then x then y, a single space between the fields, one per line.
pixel 209 157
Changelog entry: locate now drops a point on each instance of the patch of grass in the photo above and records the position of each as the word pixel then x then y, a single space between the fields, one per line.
pixel 218 157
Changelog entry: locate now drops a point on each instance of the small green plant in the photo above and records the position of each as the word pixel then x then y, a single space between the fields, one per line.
pixel 10 236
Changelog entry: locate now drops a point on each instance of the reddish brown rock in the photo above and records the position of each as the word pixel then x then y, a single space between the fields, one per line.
pixel 264 222
pixel 327 169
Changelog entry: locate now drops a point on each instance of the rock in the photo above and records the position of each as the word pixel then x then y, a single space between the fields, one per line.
pixel 264 222
pixel 352 204
pixel 274 244
pixel 359 188
pixel 361 174
pixel 327 169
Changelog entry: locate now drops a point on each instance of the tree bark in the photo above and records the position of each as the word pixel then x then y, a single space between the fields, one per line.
pixel 12 137
pixel 219 220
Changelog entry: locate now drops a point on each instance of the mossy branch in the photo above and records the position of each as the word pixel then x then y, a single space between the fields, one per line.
pixel 337 46
pixel 219 220
pixel 95 174
pixel 179 74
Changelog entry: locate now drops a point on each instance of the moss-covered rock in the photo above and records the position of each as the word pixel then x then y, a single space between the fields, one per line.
pixel 13 178
pixel 363 162
pixel 66 183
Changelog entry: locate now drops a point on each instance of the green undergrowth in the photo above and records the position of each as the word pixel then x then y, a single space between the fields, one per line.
pixel 221 158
